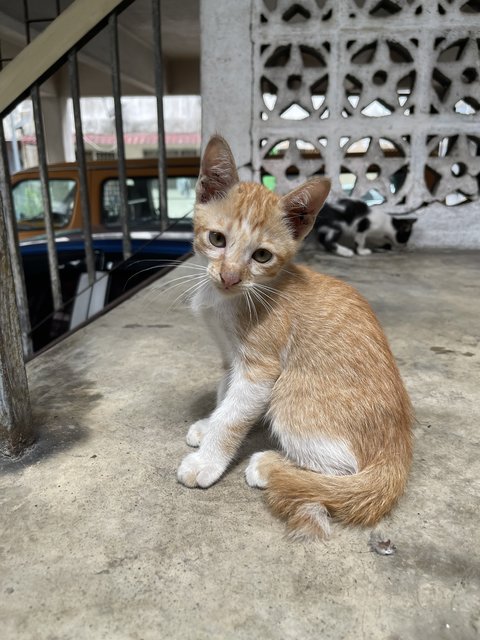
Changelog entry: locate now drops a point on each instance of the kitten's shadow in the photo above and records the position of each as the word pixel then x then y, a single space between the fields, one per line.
pixel 258 439
pixel 203 405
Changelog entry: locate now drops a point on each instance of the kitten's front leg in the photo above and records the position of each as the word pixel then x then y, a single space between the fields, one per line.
pixel 223 386
pixel 245 402
pixel 199 428
pixel 196 432
pixel 360 248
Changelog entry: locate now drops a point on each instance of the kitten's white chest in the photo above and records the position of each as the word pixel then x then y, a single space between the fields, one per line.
pixel 220 318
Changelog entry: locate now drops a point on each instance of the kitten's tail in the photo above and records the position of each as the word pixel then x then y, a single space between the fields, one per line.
pixel 307 500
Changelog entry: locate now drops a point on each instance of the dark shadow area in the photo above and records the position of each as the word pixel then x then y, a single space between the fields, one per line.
pixel 259 439
pixel 202 406
pixel 59 406
pixel 431 561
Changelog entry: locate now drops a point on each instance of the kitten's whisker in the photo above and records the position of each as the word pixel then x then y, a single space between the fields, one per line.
pixel 267 305
pixel 156 266
pixel 173 285
pixel 290 273
pixel 196 287
pixel 137 273
pixel 193 267
pixel 267 290
pixel 178 284
pixel 163 262
pixel 254 307
pixel 245 292
pixel 268 308
pixel 251 305
pixel 192 289
pixel 278 293
pixel 170 265
pixel 261 302
pixel 184 277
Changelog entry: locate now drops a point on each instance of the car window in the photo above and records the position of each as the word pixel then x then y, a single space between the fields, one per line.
pixel 144 201
pixel 28 204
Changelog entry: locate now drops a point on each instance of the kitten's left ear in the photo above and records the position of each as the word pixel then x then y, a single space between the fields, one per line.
pixel 303 203
pixel 218 172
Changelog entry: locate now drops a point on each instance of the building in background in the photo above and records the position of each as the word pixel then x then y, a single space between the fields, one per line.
pixel 182 116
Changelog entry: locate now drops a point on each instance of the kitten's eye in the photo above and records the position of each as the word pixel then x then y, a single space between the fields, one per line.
pixel 262 255
pixel 217 239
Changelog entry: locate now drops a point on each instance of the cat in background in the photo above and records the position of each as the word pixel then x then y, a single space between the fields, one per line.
pixel 355 220
pixel 302 350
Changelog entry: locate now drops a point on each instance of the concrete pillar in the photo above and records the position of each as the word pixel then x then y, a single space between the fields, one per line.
pixel 68 128
pixel 226 76
pixel 58 129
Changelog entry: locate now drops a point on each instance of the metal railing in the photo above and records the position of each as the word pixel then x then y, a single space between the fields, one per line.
pixel 15 330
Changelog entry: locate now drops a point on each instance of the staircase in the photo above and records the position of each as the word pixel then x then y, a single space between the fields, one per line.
pixel 57 50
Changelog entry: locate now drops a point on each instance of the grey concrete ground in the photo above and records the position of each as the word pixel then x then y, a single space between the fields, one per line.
pixel 97 540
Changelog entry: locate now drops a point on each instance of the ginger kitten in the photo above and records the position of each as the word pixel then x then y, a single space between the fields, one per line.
pixel 303 350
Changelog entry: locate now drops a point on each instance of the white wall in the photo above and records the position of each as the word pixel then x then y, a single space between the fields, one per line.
pixel 238 39
pixel 226 76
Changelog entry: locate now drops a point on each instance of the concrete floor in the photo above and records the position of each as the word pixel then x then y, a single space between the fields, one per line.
pixel 97 539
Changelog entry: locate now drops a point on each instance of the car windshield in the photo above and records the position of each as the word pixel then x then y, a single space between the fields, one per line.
pixel 144 201
pixel 28 203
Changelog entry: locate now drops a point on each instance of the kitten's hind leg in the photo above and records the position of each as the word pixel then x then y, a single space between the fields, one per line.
pixel 256 475
pixel 328 237
pixel 307 520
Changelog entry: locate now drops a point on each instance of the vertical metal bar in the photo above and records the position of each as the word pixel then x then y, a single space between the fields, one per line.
pixel 122 171
pixel 15 417
pixel 26 20
pixel 47 207
pixel 159 81
pixel 82 166
pixel 12 238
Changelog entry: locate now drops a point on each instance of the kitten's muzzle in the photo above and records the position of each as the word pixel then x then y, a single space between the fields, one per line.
pixel 229 279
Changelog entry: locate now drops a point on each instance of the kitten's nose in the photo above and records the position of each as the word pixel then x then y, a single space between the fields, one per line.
pixel 229 279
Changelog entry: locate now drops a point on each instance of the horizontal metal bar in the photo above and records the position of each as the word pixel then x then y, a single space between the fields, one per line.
pixel 122 170
pixel 47 206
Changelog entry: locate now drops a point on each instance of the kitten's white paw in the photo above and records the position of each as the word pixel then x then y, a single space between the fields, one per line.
pixel 345 252
pixel 253 475
pixel 196 432
pixel 364 252
pixel 197 470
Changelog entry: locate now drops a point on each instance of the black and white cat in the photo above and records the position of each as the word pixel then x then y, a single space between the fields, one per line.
pixel 354 220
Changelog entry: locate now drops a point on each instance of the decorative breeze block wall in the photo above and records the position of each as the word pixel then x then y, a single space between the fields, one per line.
pixel 383 96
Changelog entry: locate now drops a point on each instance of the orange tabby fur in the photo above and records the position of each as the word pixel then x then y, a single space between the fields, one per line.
pixel 312 356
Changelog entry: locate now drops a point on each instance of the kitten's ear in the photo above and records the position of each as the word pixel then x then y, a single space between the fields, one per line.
pixel 303 203
pixel 218 173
